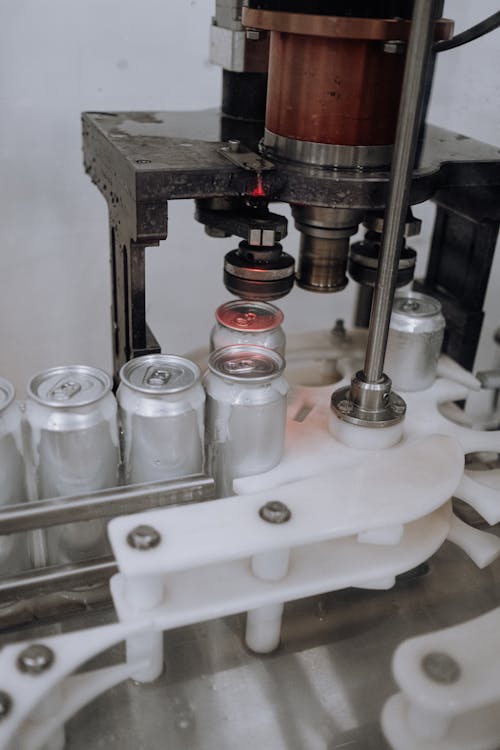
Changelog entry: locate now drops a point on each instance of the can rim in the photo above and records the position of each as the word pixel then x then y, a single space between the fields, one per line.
pixel 267 306
pixel 270 354
pixel 417 314
pixel 106 380
pixel 11 393
pixel 132 364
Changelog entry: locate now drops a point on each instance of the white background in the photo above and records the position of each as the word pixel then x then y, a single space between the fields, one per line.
pixel 59 57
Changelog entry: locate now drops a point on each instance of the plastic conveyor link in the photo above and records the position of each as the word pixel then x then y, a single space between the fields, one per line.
pixel 450 697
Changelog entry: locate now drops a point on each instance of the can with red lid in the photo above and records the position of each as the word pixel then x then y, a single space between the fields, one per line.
pixel 247 322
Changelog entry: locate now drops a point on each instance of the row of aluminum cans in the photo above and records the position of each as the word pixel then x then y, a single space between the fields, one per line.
pixel 72 435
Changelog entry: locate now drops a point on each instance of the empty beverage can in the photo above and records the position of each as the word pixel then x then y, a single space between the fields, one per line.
pixel 73 436
pixel 14 547
pixel 161 405
pixel 244 322
pixel 246 413
pixel 414 344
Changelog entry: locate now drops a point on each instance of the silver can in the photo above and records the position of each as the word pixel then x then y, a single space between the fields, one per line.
pixel 73 437
pixel 244 322
pixel 14 547
pixel 161 406
pixel 415 339
pixel 246 413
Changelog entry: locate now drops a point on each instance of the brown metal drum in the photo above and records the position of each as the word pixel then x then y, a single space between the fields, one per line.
pixel 330 79
pixel 341 91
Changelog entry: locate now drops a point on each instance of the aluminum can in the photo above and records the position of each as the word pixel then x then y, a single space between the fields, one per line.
pixel 13 547
pixel 244 322
pixel 415 339
pixel 161 406
pixel 246 413
pixel 73 438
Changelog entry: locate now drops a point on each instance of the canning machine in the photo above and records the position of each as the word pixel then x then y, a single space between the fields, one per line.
pixel 269 617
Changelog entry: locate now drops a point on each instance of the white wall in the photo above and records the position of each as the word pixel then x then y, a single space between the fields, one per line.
pixel 59 57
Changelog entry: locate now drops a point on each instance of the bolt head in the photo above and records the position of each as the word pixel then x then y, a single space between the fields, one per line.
pixel 234 145
pixel 35 659
pixel 394 47
pixel 143 537
pixel 275 512
pixel 5 704
pixel 441 668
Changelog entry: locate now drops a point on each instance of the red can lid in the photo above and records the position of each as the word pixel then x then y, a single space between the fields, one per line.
pixel 241 315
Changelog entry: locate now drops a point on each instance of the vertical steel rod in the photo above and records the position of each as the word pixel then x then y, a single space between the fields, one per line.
pixel 419 48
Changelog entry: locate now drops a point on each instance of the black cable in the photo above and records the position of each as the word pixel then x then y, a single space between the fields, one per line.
pixel 480 29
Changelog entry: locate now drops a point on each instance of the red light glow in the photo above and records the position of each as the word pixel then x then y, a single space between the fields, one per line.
pixel 258 191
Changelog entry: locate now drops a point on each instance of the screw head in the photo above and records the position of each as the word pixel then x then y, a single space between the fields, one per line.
pixel 345 406
pixel 35 659
pixel 441 668
pixel 143 537
pixel 275 512
pixel 5 704
pixel 394 47
pixel 253 34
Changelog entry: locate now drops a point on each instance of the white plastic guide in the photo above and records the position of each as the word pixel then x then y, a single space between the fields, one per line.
pixel 454 704
pixel 358 518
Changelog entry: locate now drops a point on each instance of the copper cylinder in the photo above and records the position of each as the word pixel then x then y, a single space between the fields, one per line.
pixel 333 90
pixel 331 79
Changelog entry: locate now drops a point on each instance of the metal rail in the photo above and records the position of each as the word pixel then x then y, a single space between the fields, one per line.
pixel 105 503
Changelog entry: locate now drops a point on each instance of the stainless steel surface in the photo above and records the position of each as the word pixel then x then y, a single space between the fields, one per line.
pixel 324 154
pixel 419 47
pixel 248 322
pixel 324 245
pixel 246 413
pixel 414 343
pixel 18 593
pixel 368 404
pixel 105 503
pixel 322 690
pixel 256 273
pixel 161 410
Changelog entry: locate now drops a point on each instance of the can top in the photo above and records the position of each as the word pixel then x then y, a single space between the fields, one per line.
pixel 69 386
pixel 416 305
pixel 160 374
pixel 244 315
pixel 6 393
pixel 246 363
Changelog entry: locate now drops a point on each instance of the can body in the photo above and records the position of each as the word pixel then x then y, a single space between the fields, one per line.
pixel 414 343
pixel 246 413
pixel 73 436
pixel 161 407
pixel 13 547
pixel 252 323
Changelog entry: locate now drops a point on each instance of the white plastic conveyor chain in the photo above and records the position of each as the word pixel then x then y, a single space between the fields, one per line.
pixel 450 697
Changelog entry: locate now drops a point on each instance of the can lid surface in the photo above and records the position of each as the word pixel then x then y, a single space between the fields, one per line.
pixel 416 305
pixel 6 393
pixel 160 374
pixel 242 315
pixel 246 363
pixel 69 386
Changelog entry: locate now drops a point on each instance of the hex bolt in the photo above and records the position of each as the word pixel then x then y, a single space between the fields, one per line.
pixel 394 47
pixel 275 512
pixel 441 668
pixel 253 35
pixel 35 659
pixel 143 537
pixel 5 704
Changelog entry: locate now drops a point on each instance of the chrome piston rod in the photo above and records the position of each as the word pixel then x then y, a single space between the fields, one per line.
pixel 403 160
